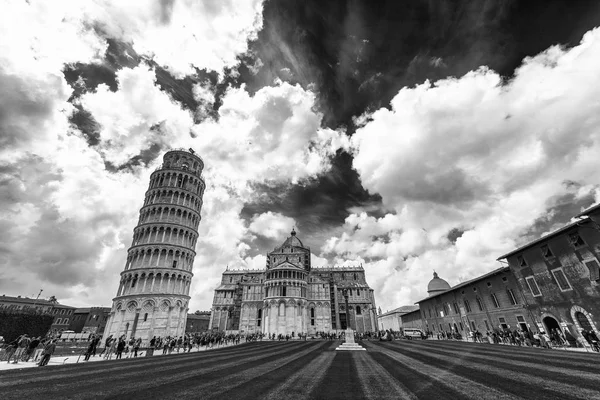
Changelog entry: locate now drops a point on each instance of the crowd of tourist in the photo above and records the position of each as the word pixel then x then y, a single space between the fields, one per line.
pixel 39 350
pixel 25 348
pixel 519 337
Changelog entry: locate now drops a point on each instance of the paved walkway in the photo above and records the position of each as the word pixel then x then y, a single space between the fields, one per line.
pixel 314 370
pixel 79 358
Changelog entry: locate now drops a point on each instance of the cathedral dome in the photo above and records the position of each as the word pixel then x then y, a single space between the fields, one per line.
pixel 437 285
pixel 292 241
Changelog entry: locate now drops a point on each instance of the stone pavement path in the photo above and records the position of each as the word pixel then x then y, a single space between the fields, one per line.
pixel 314 370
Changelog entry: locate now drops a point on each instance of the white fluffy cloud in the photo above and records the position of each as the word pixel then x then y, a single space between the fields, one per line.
pixel 273 136
pixel 476 155
pixel 271 225
pixel 128 115
pixel 184 34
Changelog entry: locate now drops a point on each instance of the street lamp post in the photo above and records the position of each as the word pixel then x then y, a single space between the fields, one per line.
pixel 345 294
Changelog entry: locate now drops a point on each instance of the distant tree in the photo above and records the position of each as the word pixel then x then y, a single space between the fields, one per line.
pixel 12 325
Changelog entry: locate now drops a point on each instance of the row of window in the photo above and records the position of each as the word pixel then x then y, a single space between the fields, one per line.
pixel 61 321
pixel 446 306
pixel 575 240
pixel 473 325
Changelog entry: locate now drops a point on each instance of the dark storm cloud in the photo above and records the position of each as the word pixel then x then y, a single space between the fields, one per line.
pixel 560 210
pixel 319 205
pixel 84 121
pixel 346 47
pixel 85 78
pixel 455 234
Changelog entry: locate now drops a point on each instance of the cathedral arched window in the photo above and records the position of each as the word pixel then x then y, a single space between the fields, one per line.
pixel 358 310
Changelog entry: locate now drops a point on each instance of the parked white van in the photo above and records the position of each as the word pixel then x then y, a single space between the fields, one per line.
pixel 413 333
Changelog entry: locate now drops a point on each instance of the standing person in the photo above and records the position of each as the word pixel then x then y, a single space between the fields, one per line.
pixel 11 349
pixel 136 346
pixel 39 350
pixel 120 347
pixel 91 349
pixel 150 351
pixel 48 351
pixel 107 345
pixel 22 348
pixel 31 348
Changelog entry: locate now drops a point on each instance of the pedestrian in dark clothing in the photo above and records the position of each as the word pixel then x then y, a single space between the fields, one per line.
pixel 48 351
pixel 32 345
pixel 120 348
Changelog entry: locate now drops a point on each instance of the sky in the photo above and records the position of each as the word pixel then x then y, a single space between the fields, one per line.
pixel 406 136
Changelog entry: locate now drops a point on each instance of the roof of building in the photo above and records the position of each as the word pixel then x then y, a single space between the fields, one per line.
pixel 198 316
pixel 85 310
pixel 465 283
pixel 545 237
pixel 28 300
pixel 437 284
pixel 292 241
pixel 588 211
pixel 418 310
pixel 400 310
pixel 227 286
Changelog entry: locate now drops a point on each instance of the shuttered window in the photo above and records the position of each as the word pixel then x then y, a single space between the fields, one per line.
pixel 561 279
pixel 594 270
pixel 533 286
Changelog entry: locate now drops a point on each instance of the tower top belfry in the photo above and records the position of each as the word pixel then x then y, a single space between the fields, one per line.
pixel 153 295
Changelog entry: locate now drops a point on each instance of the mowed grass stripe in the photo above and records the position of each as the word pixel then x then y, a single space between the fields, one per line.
pixel 519 383
pixel 417 383
pixel 341 380
pixel 557 355
pixel 539 367
pixel 82 369
pixel 214 382
pixel 269 377
pixel 466 388
pixel 153 375
pixel 376 381
pixel 302 382
pixel 577 361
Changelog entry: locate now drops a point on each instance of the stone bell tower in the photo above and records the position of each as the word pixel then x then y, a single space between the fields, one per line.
pixel 153 295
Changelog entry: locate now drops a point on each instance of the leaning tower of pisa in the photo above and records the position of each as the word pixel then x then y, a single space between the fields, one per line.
pixel 152 299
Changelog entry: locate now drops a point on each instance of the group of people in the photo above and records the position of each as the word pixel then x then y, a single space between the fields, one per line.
pixel 520 337
pixel 24 348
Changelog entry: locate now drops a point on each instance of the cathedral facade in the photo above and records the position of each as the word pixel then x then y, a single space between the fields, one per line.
pixel 290 297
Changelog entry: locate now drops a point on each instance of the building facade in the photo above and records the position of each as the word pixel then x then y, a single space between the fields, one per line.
pixel 26 304
pixel 559 275
pixel 290 297
pixel 62 318
pixel 491 302
pixel 412 320
pixel 393 319
pixel 153 294
pixel 90 320
pixel 197 322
